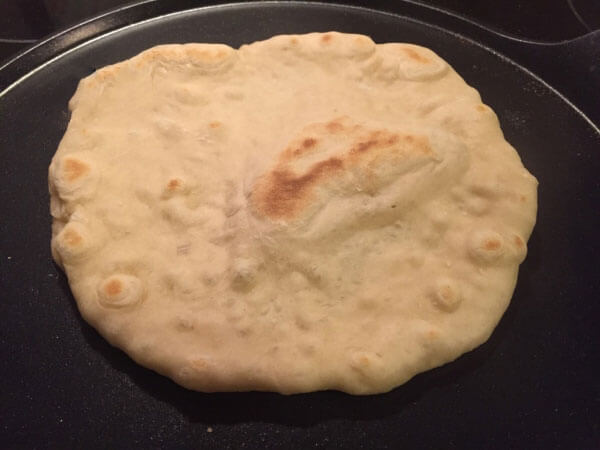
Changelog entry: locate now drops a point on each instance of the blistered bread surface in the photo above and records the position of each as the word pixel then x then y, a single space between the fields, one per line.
pixel 308 212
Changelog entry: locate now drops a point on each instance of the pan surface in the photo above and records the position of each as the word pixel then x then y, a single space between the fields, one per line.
pixel 532 385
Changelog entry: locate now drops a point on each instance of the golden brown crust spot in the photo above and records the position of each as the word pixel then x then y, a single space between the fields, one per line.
pixel 519 242
pixel 286 192
pixel 326 38
pixel 309 142
pixel 174 184
pixel 492 244
pixel 215 124
pixel 420 144
pixel 364 146
pixel 334 126
pixel 480 108
pixel 74 169
pixel 72 237
pixel 306 145
pixel 113 287
pixel 393 139
pixel 282 193
pixel 414 55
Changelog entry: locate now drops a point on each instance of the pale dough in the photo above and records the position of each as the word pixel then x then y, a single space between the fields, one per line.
pixel 308 212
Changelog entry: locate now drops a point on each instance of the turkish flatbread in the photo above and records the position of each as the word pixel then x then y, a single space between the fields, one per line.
pixel 304 213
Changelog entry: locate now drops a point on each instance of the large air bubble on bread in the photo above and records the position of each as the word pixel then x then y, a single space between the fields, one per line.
pixel 344 173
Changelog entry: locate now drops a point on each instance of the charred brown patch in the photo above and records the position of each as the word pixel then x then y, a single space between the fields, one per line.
pixel 284 192
pixel 309 142
pixel 364 146
pixel 305 146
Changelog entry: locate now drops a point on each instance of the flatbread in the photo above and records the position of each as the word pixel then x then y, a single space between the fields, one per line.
pixel 308 212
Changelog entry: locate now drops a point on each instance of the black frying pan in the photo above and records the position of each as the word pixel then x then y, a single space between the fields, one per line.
pixel 534 384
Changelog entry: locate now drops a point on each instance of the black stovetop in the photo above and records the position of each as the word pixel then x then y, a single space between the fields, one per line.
pixel 23 22
pixel 545 398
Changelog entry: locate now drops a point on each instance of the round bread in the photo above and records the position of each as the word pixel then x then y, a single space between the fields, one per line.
pixel 308 212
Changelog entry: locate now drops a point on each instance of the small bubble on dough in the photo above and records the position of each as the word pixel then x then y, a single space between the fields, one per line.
pixel 120 290
pixel 74 169
pixel 446 295
pixel 414 63
pixel 520 247
pixel 72 175
pixel 73 241
pixel 486 246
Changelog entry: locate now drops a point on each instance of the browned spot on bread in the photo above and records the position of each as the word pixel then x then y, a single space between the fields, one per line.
pixel 285 192
pixel 492 244
pixel 326 38
pixel 522 198
pixel 74 169
pixel 419 143
pixel 215 124
pixel 393 139
pixel 519 242
pixel 113 287
pixel 72 237
pixel 309 142
pixel 412 54
pixel 293 41
pixel 334 126
pixel 306 145
pixel 342 145
pixel 174 184
pixel 364 146
pixel 480 108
